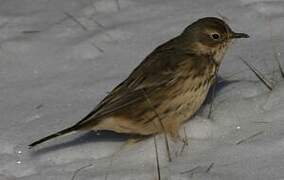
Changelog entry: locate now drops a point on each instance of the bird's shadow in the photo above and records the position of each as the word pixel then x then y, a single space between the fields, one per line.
pixel 218 86
pixel 103 136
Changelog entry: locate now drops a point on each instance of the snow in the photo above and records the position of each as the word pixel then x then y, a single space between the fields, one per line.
pixel 60 58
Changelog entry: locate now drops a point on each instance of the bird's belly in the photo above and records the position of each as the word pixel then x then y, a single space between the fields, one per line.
pixel 177 107
pixel 186 104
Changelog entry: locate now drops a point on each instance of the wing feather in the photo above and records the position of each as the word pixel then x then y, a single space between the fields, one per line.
pixel 154 72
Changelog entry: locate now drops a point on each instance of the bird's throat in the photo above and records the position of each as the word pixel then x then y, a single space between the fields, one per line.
pixel 218 53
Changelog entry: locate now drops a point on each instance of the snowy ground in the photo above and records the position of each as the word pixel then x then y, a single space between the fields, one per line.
pixel 59 58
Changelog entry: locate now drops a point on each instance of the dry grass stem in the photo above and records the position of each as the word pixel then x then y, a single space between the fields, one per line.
pixel 250 137
pixel 161 123
pixel 191 171
pixel 157 159
pixel 212 99
pixel 76 21
pixel 209 167
pixel 31 31
pixel 78 170
pixel 185 141
pixel 258 74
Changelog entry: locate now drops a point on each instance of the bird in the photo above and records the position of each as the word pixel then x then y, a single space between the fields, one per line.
pixel 166 89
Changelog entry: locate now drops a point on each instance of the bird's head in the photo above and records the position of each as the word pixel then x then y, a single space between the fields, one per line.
pixel 210 36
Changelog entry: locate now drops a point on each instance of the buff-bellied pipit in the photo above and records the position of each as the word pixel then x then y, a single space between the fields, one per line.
pixel 167 88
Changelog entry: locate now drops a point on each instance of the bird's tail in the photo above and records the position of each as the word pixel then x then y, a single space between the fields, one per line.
pixel 60 133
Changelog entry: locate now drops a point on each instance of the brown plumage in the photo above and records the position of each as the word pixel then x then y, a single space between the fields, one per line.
pixel 167 88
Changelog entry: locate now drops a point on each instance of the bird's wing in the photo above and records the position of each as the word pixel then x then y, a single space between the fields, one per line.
pixel 154 72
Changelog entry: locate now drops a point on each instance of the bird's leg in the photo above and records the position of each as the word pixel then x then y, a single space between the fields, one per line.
pixel 172 129
pixel 177 137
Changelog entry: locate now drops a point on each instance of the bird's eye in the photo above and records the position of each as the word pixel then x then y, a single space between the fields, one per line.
pixel 215 36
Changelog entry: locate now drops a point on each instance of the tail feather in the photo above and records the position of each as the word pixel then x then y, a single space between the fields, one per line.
pixel 60 133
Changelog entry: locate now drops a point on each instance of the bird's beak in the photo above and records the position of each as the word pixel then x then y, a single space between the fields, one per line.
pixel 238 35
